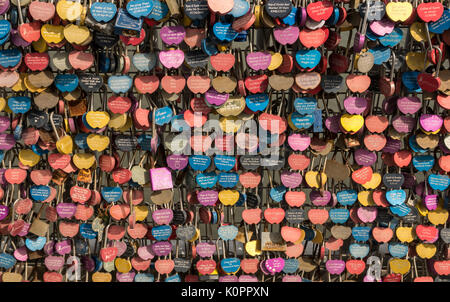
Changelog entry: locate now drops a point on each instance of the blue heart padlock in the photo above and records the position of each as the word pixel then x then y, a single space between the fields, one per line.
pixel 199 162
pixel 308 58
pixel 161 232
pixel 206 180
pixel 359 250
pixel 305 105
pixel 257 102
pixel 347 197
pixel 339 215
pixel 227 232
pixel 361 233
pixel 87 232
pixel 35 244
pixel 120 84
pixel 111 194
pixel 103 11
pixel 396 197
pixel 277 193
pixel 423 162
pixel 228 180
pixel 39 193
pixel 224 162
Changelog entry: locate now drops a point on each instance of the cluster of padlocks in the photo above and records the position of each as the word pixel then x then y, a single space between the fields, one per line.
pixel 224 140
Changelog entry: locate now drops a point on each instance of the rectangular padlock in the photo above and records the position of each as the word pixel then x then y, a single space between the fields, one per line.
pixel 161 179
pixel 126 22
pixel 39 227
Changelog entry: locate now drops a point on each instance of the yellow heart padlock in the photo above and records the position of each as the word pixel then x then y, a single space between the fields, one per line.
pixel 405 234
pixel 97 142
pixel 315 180
pixel 52 33
pixel 65 144
pixel 230 124
pixel 197 234
pixel 127 125
pixel 253 248
pixel 20 84
pixel 352 122
pixel 69 10
pixel 400 266
pixel 399 11
pixel 40 45
pixel 365 198
pixel 101 277
pixel 28 157
pixel 122 265
pixel 419 32
pixel 141 212
pixel 76 34
pixel 276 61
pixel 97 119
pixel 421 208
pixel 416 60
pixel 374 182
pixel 438 216
pixel 426 250
pixel 228 197
pixel 117 121
pixel 83 160
pixel 2 104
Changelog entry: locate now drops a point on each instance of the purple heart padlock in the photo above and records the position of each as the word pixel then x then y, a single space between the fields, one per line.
pixel 125 277
pixel 259 60
pixel 231 278
pixel 409 104
pixel 54 263
pixel 17 40
pixel 404 123
pixel 431 122
pixel 121 247
pixel 146 252
pixel 171 58
pixel 172 35
pixel 162 216
pixel 355 105
pixel 63 247
pixel 332 123
pixel 4 123
pixel 392 145
pixel 4 6
pixel 274 265
pixel 177 161
pixel 205 249
pixel 291 179
pixel 335 267
pixel 365 158
pixel 49 248
pixel 215 98
pixel 7 141
pixel 320 200
pixel 21 253
pixel 66 209
pixel 4 211
pixel 162 248
pixel 286 35
pixel 431 202
pixel 207 197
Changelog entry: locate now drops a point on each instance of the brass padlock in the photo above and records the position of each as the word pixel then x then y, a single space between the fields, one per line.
pixel 39 227
pixel 174 8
